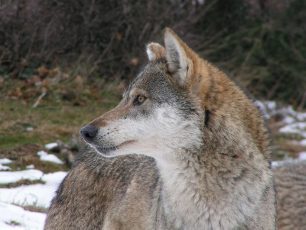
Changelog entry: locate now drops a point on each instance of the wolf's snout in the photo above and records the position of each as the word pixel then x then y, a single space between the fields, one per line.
pixel 89 132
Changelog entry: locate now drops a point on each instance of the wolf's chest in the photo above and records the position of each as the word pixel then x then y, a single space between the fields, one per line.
pixel 187 205
pixel 182 205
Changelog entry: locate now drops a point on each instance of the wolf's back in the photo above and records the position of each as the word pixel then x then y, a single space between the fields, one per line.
pixel 290 186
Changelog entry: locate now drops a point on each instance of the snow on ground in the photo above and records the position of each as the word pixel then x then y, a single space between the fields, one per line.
pixel 303 142
pixel 51 145
pixel 11 177
pixel 302 156
pixel 297 128
pixel 30 167
pixel 293 122
pixel 270 108
pixel 39 195
pixel 44 156
pixel 5 161
pixel 281 163
pixel 16 218
pixel 3 166
pixel 13 201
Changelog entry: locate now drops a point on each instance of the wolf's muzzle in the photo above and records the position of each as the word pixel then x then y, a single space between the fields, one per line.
pixel 89 132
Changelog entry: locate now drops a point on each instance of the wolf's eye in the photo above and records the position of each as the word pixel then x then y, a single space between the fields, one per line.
pixel 139 100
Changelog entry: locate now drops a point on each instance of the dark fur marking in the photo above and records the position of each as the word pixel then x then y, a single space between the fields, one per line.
pixel 242 174
pixel 207 116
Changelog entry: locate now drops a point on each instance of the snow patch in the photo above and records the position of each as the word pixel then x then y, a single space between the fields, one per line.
pixel 30 167
pixel 5 161
pixel 288 120
pixel 271 105
pixel 275 163
pixel 11 177
pixel 303 142
pixel 301 116
pixel 44 156
pixel 271 108
pixel 14 217
pixel 4 168
pixel 13 200
pixel 39 195
pixel 302 156
pixel 297 128
pixel 51 145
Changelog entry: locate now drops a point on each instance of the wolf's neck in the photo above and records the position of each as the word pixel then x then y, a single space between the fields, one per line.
pixel 209 192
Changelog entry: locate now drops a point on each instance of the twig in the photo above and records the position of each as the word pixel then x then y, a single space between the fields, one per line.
pixel 301 105
pixel 41 96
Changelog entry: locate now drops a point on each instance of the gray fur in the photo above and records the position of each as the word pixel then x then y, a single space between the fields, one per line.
pixel 290 186
pixel 95 194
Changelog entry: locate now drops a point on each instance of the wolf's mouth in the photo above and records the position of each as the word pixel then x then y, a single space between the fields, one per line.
pixel 107 150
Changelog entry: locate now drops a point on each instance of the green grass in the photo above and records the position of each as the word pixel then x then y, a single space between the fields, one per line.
pixel 54 118
pixel 11 140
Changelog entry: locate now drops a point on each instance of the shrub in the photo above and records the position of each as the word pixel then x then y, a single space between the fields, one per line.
pixel 260 43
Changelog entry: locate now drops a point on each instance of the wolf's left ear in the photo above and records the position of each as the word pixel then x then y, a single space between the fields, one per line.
pixel 155 51
pixel 177 60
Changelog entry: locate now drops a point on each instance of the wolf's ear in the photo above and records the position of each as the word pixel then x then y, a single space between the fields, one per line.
pixel 155 51
pixel 177 60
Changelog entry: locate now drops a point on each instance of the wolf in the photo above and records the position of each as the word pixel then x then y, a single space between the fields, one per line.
pixel 184 149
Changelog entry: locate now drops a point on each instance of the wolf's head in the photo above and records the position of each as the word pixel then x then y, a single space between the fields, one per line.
pixel 168 106
pixel 157 113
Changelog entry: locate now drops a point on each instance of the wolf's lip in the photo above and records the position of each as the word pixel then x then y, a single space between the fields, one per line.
pixel 106 150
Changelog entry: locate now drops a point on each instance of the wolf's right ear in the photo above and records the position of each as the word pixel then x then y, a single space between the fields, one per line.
pixel 177 60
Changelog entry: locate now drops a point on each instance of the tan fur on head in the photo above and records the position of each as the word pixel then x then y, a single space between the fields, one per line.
pixel 155 51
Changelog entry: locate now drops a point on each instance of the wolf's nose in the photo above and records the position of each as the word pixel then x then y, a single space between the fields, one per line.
pixel 89 132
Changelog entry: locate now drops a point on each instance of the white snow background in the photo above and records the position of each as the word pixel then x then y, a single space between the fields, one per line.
pixel 14 201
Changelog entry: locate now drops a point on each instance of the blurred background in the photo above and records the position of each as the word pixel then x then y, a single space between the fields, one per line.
pixel 65 62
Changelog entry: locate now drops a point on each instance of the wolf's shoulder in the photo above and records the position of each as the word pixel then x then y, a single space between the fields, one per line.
pixel 95 184
pixel 113 174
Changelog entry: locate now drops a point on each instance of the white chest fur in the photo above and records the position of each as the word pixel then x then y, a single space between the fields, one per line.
pixel 194 202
